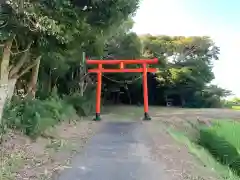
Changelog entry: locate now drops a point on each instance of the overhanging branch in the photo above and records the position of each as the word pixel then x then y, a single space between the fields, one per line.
pixel 23 51
pixel 24 71
pixel 20 63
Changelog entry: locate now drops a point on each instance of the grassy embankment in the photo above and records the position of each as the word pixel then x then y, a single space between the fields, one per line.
pixel 217 146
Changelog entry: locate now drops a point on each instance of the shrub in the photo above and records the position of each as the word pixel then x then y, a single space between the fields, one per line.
pixel 84 105
pixel 33 117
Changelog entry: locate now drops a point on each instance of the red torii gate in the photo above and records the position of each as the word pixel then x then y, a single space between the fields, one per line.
pixel 122 69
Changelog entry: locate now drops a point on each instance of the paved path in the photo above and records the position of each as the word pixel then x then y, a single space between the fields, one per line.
pixel 120 151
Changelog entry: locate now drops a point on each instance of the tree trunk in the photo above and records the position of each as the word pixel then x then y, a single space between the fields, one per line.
pixel 49 82
pixel 33 82
pixel 81 88
pixel 6 93
pixel 183 102
pixel 5 84
pixel 4 71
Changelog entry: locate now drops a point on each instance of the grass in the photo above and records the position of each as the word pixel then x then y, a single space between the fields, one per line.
pixel 10 165
pixel 36 118
pixel 236 107
pixel 58 145
pixel 217 147
pixel 222 141
pixel 52 157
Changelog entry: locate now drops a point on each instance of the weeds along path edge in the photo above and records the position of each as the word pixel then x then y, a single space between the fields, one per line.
pixel 45 158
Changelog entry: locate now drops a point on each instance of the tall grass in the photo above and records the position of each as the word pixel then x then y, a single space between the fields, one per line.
pixel 218 146
pixel 34 116
pixel 222 140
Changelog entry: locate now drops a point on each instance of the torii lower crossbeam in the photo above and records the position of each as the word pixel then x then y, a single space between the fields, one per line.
pixel 122 69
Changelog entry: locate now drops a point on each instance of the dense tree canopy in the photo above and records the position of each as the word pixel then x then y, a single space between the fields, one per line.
pixel 185 70
pixel 44 44
pixel 43 73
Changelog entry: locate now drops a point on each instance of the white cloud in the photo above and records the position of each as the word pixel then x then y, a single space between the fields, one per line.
pixel 170 17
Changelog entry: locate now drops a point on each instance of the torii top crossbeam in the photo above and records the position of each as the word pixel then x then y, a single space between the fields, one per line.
pixel 137 61
pixel 122 63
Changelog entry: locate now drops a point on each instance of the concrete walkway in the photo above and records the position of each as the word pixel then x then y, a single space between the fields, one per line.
pixel 120 151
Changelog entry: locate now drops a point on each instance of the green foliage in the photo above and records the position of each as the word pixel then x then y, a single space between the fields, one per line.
pixel 185 71
pixel 33 117
pixel 61 30
pixel 232 103
pixel 236 107
pixel 209 97
pixel 126 46
pixel 236 100
pixel 84 105
pixel 222 141
pixel 203 154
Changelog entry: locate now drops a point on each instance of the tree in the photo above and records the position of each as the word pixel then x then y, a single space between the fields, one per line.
pixel 52 31
pixel 185 63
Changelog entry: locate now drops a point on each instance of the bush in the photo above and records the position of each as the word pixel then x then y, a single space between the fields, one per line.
pixel 84 105
pixel 222 141
pixel 33 117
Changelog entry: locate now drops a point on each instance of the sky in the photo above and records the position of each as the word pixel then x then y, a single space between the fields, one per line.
pixel 219 19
